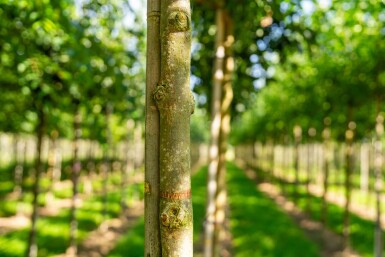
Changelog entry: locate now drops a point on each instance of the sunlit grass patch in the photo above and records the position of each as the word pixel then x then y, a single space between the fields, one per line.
pixel 6 187
pixel 13 245
pixel 53 232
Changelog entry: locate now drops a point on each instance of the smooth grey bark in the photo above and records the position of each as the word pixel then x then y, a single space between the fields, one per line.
pixel 152 245
pixel 175 103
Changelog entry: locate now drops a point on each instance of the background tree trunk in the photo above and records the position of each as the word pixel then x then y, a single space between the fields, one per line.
pixel 32 244
pixel 215 134
pixel 326 160
pixel 309 165
pixel 378 165
pixel 76 168
pixel 127 166
pixel 226 100
pixel 297 138
pixel 349 137
pixel 152 245
pixel 20 146
pixel 107 167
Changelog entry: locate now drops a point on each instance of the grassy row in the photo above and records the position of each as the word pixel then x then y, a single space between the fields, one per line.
pixel 53 232
pixel 9 206
pixel 362 230
pixel 258 226
pixel 361 197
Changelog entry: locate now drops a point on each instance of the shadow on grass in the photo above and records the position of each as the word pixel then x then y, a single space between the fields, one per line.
pixel 258 226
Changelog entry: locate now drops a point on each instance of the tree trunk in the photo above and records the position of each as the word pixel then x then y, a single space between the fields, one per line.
pixel 349 137
pixel 18 165
pixel 226 100
pixel 127 165
pixel 76 168
pixel 297 137
pixel 175 103
pixel 152 247
pixel 326 159
pixel 271 170
pixel 309 166
pixel 378 165
pixel 285 166
pixel 32 244
pixel 91 167
pixel 215 134
pixel 19 174
pixel 106 167
pixel 364 167
pixel 337 164
pixel 52 167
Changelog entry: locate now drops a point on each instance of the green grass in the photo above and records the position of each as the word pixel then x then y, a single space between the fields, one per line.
pixel 362 230
pixel 53 232
pixel 133 241
pixel 259 228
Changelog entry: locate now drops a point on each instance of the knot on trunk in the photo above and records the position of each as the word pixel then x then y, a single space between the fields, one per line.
pixel 178 21
pixel 160 93
pixel 175 216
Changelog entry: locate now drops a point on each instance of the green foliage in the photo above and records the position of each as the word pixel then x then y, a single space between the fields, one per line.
pixel 338 76
pixel 199 127
pixel 265 32
pixel 61 56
